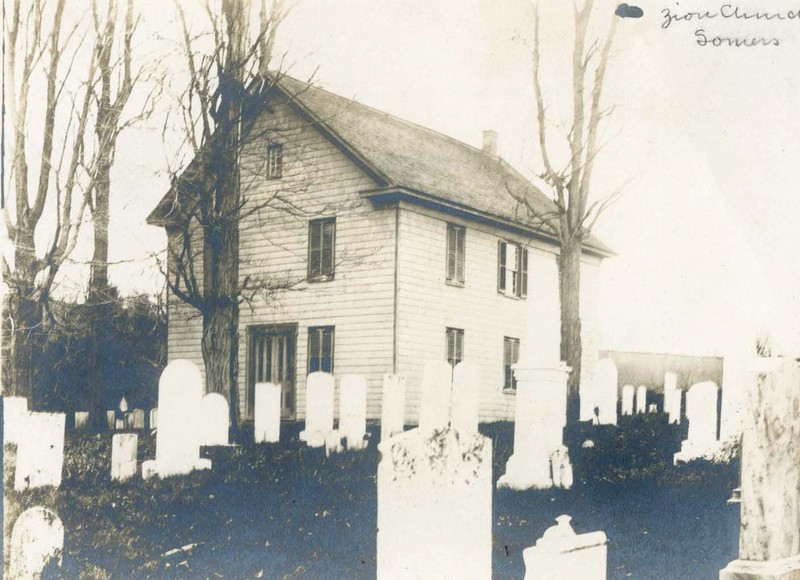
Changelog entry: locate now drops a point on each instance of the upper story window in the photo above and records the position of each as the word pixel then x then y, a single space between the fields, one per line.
pixel 275 161
pixel 455 254
pixel 320 349
pixel 510 356
pixel 321 249
pixel 454 345
pixel 512 269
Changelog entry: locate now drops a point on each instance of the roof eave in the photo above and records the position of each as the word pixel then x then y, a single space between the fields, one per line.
pixel 392 194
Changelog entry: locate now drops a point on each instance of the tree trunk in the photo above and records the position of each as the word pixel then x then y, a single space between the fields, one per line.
pixel 98 295
pixel 571 348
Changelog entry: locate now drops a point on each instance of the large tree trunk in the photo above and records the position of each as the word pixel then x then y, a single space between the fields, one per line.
pixel 25 316
pixel 571 350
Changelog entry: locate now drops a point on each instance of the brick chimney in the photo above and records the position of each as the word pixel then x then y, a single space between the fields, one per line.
pixel 490 142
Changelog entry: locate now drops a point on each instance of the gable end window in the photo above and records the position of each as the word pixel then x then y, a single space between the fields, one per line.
pixel 454 346
pixel 455 254
pixel 510 357
pixel 321 249
pixel 512 269
pixel 275 161
pixel 320 349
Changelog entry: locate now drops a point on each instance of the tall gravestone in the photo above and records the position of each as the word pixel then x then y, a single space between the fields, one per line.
pixel 124 448
pixel 434 411
pixel 465 398
pixel 675 406
pixel 180 389
pixel 641 399
pixel 598 393
pixel 214 420
pixel 37 539
pixel 670 386
pixel 320 389
pixel 539 420
pixel 353 410
pixel 393 406
pixel 628 395
pixel 701 412
pixel 154 418
pixel 111 420
pixel 769 533
pixel 15 413
pixel 267 416
pixel 40 456
pixel 435 493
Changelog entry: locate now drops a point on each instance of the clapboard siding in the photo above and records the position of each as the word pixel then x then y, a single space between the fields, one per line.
pixel 427 306
pixel 318 181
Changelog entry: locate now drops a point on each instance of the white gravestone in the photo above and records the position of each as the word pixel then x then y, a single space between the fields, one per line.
pixel 138 418
pixel 563 554
pixel 353 410
pixel 670 386
pixel 675 403
pixel 434 410
pixel 539 419
pixel 36 540
pixel 561 468
pixel 154 418
pixel 180 389
pixel 111 420
pixel 81 419
pixel 605 391
pixel 435 506
pixel 465 398
pixel 393 406
pixel 40 456
pixel 734 386
pixel 701 412
pixel 641 399
pixel 15 413
pixel 627 399
pixel 214 420
pixel 319 409
pixel 123 455
pixel 267 413
pixel 120 425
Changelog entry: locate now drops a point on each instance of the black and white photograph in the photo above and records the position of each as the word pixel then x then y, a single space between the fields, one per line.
pixel 400 289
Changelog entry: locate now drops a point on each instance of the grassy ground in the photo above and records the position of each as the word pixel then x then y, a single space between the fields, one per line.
pixel 286 511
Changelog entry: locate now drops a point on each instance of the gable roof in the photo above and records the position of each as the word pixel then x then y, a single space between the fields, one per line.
pixel 420 164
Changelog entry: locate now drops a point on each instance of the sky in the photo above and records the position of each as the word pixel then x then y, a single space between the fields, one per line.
pixel 704 142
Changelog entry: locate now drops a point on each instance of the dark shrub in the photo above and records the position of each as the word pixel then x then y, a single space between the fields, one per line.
pixel 640 447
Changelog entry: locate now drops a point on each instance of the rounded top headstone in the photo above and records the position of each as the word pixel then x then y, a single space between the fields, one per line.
pixel 181 372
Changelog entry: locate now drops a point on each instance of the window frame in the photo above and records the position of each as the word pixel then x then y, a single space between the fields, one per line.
pixel 519 280
pixel 274 161
pixel 508 372
pixel 460 233
pixel 456 333
pixel 328 275
pixel 310 356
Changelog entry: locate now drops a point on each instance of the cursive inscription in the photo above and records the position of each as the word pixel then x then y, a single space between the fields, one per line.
pixel 726 11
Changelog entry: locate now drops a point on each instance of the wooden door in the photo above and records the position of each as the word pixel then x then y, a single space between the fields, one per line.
pixel 273 361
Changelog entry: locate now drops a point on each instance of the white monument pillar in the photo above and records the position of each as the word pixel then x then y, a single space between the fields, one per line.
pixel 539 419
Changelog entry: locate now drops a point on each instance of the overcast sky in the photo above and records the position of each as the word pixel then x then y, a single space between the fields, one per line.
pixel 705 141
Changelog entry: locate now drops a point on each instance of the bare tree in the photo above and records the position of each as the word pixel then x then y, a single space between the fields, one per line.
pixel 574 216
pixel 110 102
pixel 42 50
pixel 226 87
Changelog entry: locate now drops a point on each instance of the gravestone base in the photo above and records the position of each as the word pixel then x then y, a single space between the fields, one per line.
pixel 784 569
pixel 150 468
pixel 525 473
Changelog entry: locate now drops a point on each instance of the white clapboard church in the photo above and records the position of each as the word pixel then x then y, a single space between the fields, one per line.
pixel 402 245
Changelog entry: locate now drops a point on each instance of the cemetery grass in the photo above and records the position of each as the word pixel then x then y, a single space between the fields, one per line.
pixel 287 511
